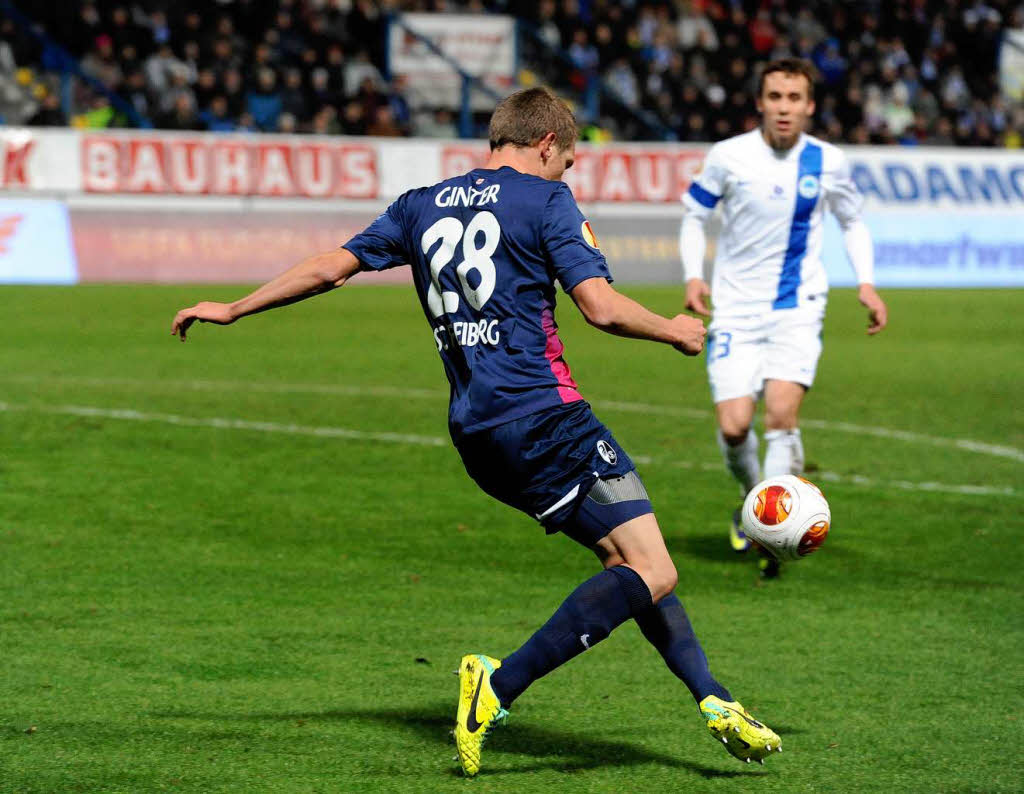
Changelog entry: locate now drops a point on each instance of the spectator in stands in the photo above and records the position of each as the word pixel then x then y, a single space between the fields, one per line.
pixel 264 102
pixel 179 87
pixel 182 116
pixel 336 68
pixel 224 56
pixel 159 30
pixel 191 58
pixel 401 112
pixel 621 80
pixel 896 112
pixel 190 27
pixel 294 100
pixel 910 70
pixel 135 93
pixel 763 34
pixel 215 118
pixel 325 121
pixel 205 88
pixel 49 113
pixel 436 124
pixel 321 93
pixel 695 128
pixel 101 64
pixel 287 124
pixel 99 115
pixel 263 57
pixel 318 38
pixel 546 27
pixel 383 124
pixel 234 92
pixel 1014 138
pixel 160 66
pixel 88 25
pixel 353 120
pixel 291 43
pixel 831 63
pixel 584 55
pixel 359 69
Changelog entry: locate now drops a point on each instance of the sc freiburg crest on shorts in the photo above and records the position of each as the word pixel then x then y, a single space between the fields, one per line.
pixel 588 234
pixel 607 452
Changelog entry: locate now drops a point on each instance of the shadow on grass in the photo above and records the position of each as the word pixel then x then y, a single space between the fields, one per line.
pixel 546 748
pixel 714 547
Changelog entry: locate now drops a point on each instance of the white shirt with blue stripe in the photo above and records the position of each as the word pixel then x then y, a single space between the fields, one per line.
pixel 773 207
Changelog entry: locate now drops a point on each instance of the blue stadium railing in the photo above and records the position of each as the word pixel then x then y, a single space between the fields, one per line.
pixel 58 59
pixel 594 94
pixel 467 128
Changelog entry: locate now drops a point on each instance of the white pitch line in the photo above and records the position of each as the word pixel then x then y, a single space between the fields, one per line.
pixel 964 444
pixel 436 441
pixel 233 385
pixel 230 424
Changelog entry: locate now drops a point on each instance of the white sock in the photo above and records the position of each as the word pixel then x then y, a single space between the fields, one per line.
pixel 742 461
pixel 784 452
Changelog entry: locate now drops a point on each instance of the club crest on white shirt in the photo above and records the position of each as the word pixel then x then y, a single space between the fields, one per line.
pixel 808 186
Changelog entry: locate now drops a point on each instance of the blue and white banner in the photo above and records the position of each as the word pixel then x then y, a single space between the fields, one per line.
pixel 923 250
pixel 35 243
pixel 938 217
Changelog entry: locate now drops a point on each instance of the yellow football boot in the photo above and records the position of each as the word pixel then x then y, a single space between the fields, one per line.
pixel 738 541
pixel 479 709
pixel 743 736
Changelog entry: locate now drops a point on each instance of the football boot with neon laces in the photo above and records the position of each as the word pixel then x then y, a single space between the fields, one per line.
pixel 743 736
pixel 738 540
pixel 479 709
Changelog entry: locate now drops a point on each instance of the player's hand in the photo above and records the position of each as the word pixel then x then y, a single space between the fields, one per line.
pixel 205 312
pixel 691 333
pixel 696 296
pixel 878 315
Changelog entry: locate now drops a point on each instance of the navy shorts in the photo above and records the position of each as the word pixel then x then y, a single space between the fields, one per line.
pixel 546 463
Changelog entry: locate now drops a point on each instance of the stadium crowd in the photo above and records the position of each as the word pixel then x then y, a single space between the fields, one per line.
pixel 907 71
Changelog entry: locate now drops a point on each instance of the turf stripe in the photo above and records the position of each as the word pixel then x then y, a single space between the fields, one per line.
pixel 964 444
pixel 222 423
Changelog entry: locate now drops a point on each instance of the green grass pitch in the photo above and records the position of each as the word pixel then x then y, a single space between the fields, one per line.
pixel 250 563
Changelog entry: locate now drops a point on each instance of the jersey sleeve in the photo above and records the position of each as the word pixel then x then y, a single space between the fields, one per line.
pixel 707 187
pixel 842 195
pixel 570 243
pixel 381 245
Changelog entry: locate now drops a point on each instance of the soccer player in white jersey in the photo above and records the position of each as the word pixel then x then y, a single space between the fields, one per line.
pixel 769 285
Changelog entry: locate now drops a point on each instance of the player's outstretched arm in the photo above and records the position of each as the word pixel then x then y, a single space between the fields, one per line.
pixel 612 312
pixel 312 276
pixel 878 314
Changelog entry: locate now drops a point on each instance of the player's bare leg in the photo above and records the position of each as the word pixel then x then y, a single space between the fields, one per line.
pixel 665 624
pixel 639 544
pixel 738 442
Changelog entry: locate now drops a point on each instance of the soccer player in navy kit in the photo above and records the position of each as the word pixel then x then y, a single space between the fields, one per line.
pixel 486 249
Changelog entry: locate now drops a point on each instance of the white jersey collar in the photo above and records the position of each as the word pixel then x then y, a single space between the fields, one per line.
pixel 789 153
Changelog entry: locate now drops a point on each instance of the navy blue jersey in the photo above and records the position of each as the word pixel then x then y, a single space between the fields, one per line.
pixel 485 250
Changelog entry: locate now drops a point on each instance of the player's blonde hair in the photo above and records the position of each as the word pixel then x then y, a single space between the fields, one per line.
pixel 526 116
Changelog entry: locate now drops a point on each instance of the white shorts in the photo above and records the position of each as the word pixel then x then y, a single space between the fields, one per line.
pixel 744 352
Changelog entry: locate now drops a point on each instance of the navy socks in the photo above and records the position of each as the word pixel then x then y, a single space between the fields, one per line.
pixel 667 627
pixel 587 616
